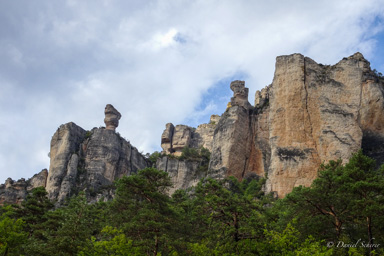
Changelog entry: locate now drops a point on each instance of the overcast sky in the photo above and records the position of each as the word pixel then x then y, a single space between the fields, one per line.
pixel 155 61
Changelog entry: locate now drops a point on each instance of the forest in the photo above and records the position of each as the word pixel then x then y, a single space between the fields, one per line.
pixel 341 213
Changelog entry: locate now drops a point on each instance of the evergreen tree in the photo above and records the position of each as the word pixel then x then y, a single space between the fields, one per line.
pixel 12 235
pixel 143 212
pixel 229 213
pixel 34 209
pixel 345 203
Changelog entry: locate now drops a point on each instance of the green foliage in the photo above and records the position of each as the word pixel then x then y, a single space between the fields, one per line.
pixel 201 155
pixel 193 154
pixel 142 210
pixel 345 203
pixel 228 212
pixel 152 158
pixel 33 209
pixel 12 235
pixel 66 229
pixel 288 243
pixel 111 242
pixel 189 154
pixel 217 217
pixel 88 134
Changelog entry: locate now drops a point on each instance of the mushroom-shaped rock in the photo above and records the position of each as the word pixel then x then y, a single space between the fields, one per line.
pixel 240 94
pixel 112 117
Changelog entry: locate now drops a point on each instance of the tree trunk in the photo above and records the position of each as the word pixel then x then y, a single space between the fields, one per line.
pixel 156 246
pixel 370 236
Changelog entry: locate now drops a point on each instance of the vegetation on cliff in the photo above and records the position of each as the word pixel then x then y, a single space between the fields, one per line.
pixel 340 214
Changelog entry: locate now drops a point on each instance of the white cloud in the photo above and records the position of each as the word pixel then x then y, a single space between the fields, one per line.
pixel 155 61
pixel 164 40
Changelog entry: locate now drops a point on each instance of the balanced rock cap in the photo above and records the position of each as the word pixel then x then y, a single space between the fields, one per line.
pixel 112 117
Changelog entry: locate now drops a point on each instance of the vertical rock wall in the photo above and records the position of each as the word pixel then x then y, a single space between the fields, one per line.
pixel 65 143
pixel 90 161
pixel 319 113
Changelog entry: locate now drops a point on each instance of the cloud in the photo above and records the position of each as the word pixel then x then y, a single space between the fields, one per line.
pixel 156 61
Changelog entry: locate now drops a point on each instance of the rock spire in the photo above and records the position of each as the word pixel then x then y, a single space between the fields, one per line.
pixel 112 117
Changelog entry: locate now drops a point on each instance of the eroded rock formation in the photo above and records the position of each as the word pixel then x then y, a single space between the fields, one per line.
pixel 175 138
pixel 112 117
pixel 183 173
pixel 186 173
pixel 90 161
pixel 233 143
pixel 14 192
pixel 310 114
pixel 319 113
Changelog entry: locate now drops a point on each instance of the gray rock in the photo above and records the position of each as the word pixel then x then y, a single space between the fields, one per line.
pixel 240 94
pixel 90 161
pixel 183 174
pixel 112 117
pixel 310 114
pixel 65 142
pixel 38 180
pixel 166 138
pixel 181 138
pixel 14 192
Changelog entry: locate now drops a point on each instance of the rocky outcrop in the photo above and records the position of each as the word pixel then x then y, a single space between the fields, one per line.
pixel 240 94
pixel 112 117
pixel 318 113
pixel 175 138
pixel 310 114
pixel 166 138
pixel 181 138
pixel 203 135
pixel 65 142
pixel 235 151
pixel 262 97
pixel 107 157
pixel 90 161
pixel 14 192
pixel 38 180
pixel 183 173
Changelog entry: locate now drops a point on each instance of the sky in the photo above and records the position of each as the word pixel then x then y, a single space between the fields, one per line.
pixel 156 61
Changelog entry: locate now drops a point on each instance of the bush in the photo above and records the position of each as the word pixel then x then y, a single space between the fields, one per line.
pixel 152 158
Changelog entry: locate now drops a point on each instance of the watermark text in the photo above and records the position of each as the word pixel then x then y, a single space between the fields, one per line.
pixel 358 243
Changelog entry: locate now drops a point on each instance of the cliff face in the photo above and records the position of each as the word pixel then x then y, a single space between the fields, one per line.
pixel 234 152
pixel 186 173
pixel 175 138
pixel 320 113
pixel 310 114
pixel 89 161
pixel 183 173
pixel 14 192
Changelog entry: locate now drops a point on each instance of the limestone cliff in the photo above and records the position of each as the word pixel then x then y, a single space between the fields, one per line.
pixel 175 138
pixel 233 150
pixel 14 192
pixel 186 173
pixel 319 113
pixel 310 114
pixel 183 173
pixel 90 161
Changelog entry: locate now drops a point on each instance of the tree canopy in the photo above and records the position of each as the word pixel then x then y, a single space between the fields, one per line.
pixel 341 213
